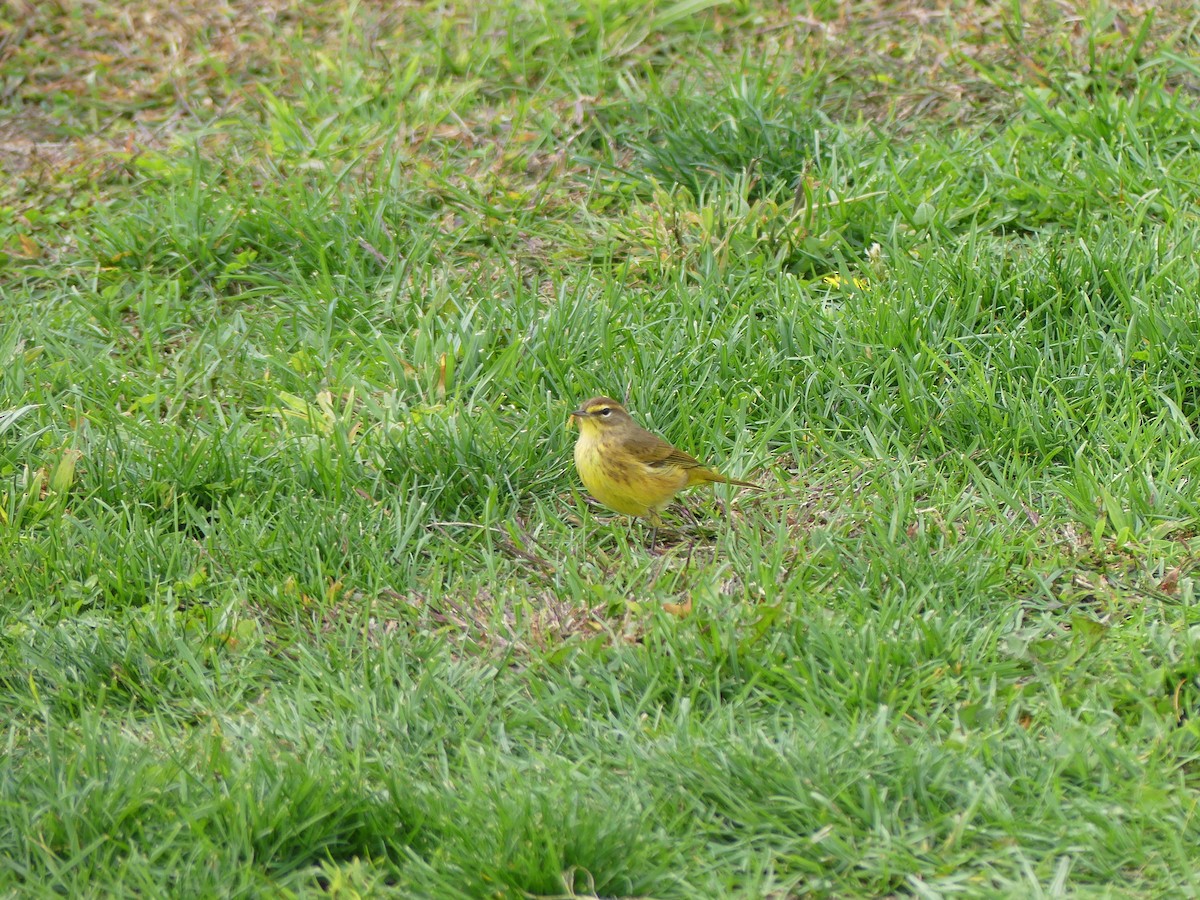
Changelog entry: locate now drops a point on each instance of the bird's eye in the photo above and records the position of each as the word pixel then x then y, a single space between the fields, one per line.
pixel 606 411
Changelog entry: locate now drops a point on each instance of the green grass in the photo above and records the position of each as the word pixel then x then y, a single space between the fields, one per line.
pixel 300 593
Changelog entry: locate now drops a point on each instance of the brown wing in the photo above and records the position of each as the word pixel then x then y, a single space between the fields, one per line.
pixel 657 453
pixel 654 451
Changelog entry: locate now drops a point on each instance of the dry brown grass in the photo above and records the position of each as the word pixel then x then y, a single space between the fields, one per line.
pixel 89 85
pixel 81 75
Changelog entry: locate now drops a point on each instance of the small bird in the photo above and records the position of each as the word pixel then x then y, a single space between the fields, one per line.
pixel 631 470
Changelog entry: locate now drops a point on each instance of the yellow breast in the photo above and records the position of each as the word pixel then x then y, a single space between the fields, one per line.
pixel 621 482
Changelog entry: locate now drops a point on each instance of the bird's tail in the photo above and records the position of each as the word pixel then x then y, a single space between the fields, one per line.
pixel 749 484
pixel 710 475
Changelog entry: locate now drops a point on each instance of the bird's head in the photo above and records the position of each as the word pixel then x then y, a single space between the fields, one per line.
pixel 600 415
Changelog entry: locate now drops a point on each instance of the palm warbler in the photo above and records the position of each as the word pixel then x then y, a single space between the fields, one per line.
pixel 629 469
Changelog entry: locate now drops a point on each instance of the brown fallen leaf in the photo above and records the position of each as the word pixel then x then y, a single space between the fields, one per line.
pixel 682 610
pixel 1170 581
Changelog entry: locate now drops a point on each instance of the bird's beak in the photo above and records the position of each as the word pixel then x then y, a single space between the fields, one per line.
pixel 581 413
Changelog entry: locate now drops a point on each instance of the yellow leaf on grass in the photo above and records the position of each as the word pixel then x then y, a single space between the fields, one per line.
pixel 29 247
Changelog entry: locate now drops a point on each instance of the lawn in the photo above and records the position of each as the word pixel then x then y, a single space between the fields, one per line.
pixel 300 593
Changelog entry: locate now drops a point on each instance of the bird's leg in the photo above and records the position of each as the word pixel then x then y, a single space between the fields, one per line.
pixel 655 521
